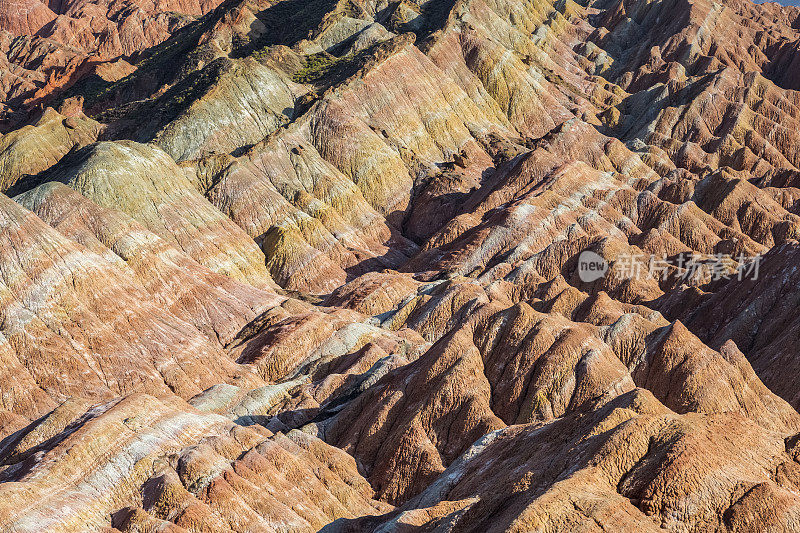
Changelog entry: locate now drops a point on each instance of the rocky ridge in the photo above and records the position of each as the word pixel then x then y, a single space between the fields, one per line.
pixel 313 265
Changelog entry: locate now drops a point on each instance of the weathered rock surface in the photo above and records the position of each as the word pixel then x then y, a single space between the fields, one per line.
pixel 148 463
pixel 623 461
pixel 37 147
pixel 217 305
pixel 146 184
pixel 46 47
pixel 75 324
pixel 316 265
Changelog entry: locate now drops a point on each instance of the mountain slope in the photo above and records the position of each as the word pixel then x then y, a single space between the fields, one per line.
pixel 320 265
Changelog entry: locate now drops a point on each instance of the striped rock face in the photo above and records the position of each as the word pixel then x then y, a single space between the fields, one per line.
pixel 439 266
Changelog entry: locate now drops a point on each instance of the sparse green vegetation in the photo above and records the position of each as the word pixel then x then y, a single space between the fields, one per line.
pixel 159 64
pixel 320 65
pixel 287 22
pixel 93 89
pixel 350 9
pixel 260 54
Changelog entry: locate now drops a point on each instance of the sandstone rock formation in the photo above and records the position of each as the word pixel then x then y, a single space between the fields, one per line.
pixel 319 265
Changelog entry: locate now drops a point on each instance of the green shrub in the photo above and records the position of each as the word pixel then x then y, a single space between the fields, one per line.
pixel 320 65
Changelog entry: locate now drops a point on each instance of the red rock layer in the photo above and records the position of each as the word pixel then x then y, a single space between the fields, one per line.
pixel 315 265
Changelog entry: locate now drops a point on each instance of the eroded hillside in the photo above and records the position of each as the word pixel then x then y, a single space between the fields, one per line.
pixel 317 265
